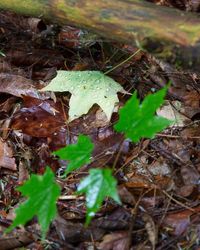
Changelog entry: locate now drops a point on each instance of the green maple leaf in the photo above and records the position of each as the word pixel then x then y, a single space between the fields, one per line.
pixel 97 185
pixel 139 120
pixel 87 88
pixel 42 193
pixel 78 154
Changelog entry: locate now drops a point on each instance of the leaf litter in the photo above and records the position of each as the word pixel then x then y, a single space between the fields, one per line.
pixel 157 178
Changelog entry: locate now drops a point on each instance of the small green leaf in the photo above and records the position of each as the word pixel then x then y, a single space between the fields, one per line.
pixel 97 185
pixel 78 154
pixel 139 120
pixel 87 88
pixel 42 193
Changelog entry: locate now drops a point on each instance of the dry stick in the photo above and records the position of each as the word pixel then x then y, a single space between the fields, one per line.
pixel 178 202
pixel 177 136
pixel 118 154
pixel 165 212
pixel 133 213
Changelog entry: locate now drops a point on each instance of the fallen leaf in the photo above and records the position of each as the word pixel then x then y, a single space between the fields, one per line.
pixel 23 173
pixel 75 232
pixel 18 85
pixel 39 118
pixel 180 221
pixel 87 88
pixel 18 240
pixel 192 99
pixel 6 156
pixel 115 241
pixel 126 196
pixel 151 229
pixel 185 191
pixel 190 175
pixel 30 57
pixel 173 111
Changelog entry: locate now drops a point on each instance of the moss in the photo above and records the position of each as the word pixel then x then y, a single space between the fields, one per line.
pixel 193 32
pixel 23 6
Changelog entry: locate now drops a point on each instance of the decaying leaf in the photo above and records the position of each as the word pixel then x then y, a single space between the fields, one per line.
pixel 178 222
pixel 174 112
pixel 39 118
pixel 151 229
pixel 6 156
pixel 17 85
pixel 115 241
pixel 87 88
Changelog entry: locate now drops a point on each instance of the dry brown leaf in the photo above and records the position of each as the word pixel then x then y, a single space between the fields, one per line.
pixel 17 85
pixel 190 175
pixel 39 118
pixel 115 241
pixel 6 157
pixel 151 229
pixel 192 99
pixel 126 196
pixel 173 111
pixel 185 191
pixel 178 222
pixel 23 173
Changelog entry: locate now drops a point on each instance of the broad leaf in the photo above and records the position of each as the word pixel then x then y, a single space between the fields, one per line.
pixel 139 120
pixel 42 193
pixel 97 185
pixel 78 154
pixel 87 88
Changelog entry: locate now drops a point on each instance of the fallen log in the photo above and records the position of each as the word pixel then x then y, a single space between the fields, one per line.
pixel 155 28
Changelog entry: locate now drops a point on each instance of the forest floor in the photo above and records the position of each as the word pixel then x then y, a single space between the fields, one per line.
pixel 158 179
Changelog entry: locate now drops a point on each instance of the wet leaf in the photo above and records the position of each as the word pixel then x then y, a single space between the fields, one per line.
pixel 87 88
pixel 98 185
pixel 39 118
pixel 42 193
pixel 139 120
pixel 78 154
pixel 18 85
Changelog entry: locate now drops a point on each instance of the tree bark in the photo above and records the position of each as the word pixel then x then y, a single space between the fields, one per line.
pixel 130 21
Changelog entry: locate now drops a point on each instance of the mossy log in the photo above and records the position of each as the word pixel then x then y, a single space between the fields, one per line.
pixel 131 21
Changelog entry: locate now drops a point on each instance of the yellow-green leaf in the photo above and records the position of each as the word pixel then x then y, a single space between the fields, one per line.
pixel 87 88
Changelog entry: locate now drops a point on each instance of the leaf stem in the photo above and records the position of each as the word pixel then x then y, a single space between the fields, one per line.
pixel 121 63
